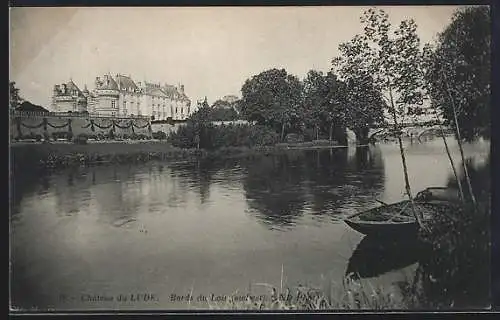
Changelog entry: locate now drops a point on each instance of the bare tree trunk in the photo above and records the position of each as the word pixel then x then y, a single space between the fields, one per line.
pixel 462 198
pixel 331 131
pixel 403 160
pixel 459 140
pixel 283 131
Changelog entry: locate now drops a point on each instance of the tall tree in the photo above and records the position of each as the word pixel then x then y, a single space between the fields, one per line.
pixel 315 94
pixel 325 101
pixel 199 122
pixel 459 71
pixel 14 98
pixel 364 107
pixel 223 111
pixel 392 58
pixel 273 98
pixel 364 102
pixel 458 77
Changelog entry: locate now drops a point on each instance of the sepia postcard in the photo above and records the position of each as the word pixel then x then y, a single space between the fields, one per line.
pixel 200 159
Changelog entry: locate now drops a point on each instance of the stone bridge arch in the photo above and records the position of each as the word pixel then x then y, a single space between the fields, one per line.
pixel 408 131
pixel 373 132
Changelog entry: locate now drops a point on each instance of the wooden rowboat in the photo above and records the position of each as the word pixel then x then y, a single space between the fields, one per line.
pixel 394 219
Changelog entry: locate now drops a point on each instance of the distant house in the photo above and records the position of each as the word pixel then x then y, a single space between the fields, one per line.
pixel 28 106
pixel 231 99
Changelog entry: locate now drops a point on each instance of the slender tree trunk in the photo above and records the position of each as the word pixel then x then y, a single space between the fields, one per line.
pixel 361 136
pixel 459 140
pixel 331 131
pixel 462 198
pixel 403 160
pixel 283 131
pixel 317 132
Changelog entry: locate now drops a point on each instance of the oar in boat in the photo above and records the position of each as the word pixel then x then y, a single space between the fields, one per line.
pixel 397 215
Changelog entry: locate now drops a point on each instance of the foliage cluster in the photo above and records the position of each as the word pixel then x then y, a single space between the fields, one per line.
pixel 210 136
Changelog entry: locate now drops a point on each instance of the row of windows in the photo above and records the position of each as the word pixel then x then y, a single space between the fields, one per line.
pixel 114 106
pixel 162 98
pixel 160 114
pixel 171 109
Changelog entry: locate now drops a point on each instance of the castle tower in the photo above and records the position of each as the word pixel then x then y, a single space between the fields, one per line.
pixel 67 97
pixel 107 94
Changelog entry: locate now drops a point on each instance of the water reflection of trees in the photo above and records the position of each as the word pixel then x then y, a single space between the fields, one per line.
pixel 274 187
pixel 200 174
pixel 280 187
pixel 22 184
pixel 111 192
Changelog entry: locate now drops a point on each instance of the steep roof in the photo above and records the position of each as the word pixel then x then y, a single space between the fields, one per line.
pixel 67 89
pixel 71 86
pixel 108 83
pixel 170 90
pixel 126 83
pixel 86 91
pixel 28 106
pixel 155 90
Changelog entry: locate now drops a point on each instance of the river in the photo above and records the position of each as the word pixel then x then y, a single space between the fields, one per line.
pixel 93 238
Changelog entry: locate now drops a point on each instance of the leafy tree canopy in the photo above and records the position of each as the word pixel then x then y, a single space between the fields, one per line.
pixel 272 97
pixel 391 57
pixel 458 71
pixel 14 97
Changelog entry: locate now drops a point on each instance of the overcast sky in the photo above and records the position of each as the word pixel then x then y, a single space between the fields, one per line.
pixel 212 51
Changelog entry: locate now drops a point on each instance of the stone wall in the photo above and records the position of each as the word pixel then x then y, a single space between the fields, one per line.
pixel 165 127
pixel 22 125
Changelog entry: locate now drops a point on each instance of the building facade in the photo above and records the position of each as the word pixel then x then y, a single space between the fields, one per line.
pixel 67 97
pixel 121 96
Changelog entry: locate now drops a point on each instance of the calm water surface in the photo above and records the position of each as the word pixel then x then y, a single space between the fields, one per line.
pixel 207 227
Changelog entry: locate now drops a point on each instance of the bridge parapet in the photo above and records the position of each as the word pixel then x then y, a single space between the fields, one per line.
pixel 407 131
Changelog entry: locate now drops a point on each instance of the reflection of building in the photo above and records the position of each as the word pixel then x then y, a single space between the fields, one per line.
pixel 121 96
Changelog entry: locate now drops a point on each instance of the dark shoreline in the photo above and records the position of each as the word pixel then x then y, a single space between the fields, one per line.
pixel 59 155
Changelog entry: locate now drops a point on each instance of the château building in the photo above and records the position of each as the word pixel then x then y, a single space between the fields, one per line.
pixel 68 97
pixel 121 96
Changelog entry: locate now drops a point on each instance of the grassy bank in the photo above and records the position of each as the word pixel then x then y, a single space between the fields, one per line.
pixel 349 295
pixel 66 154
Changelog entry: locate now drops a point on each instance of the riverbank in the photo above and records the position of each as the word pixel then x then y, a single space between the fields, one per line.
pixel 351 294
pixel 447 278
pixel 67 154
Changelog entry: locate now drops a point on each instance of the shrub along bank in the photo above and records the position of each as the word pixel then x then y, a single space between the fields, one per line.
pixel 190 141
pixel 65 154
pixel 209 136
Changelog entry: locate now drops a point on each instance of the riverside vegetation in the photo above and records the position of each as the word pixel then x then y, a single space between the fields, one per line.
pixel 216 141
pixel 454 76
